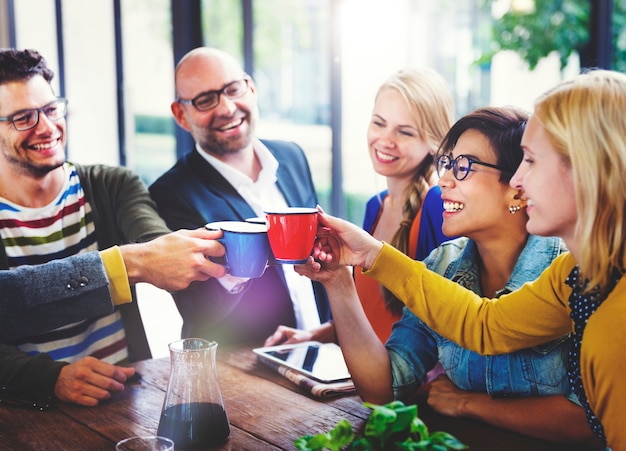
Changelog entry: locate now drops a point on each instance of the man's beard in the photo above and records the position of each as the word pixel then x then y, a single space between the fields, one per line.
pixel 33 170
pixel 42 171
pixel 221 147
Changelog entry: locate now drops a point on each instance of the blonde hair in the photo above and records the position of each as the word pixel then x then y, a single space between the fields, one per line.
pixel 428 97
pixel 585 119
pixel 430 103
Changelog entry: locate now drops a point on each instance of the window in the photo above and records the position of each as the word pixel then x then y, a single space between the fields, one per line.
pixel 148 87
pixel 291 49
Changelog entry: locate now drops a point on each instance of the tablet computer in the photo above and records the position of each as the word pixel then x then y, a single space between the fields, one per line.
pixel 323 362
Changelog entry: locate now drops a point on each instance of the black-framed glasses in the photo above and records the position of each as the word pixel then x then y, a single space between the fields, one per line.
pixel 461 166
pixel 27 119
pixel 210 99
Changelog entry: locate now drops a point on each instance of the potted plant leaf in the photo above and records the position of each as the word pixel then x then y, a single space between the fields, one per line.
pixel 390 427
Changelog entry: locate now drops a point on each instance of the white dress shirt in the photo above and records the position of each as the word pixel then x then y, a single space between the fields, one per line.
pixel 263 195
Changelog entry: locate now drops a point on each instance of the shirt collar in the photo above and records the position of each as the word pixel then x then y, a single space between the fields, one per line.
pixel 269 167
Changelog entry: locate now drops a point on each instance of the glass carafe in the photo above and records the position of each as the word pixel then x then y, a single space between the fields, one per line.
pixel 193 413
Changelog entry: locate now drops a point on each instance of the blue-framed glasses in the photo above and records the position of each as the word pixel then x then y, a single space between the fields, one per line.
pixel 461 166
pixel 210 99
pixel 27 119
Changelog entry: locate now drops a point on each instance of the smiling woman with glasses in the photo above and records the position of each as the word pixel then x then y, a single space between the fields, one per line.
pixel 27 119
pixel 210 99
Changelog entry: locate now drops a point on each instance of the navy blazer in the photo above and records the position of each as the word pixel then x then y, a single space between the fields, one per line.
pixel 193 193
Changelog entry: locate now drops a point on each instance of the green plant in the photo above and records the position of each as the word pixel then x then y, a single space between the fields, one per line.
pixel 392 427
pixel 560 26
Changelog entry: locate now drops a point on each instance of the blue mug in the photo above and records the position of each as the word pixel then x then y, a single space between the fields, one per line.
pixel 216 226
pixel 247 247
pixel 261 220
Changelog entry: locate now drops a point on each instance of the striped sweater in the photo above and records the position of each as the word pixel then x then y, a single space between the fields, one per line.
pixel 37 235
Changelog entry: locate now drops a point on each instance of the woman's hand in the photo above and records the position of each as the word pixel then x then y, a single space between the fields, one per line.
pixel 284 335
pixel 342 243
pixel 446 398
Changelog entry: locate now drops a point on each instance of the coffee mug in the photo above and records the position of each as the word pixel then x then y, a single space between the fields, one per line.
pixel 216 226
pixel 247 248
pixel 291 233
pixel 261 220
pixel 257 220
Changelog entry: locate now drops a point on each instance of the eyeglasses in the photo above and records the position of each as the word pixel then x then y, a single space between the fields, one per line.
pixel 461 166
pixel 27 119
pixel 210 99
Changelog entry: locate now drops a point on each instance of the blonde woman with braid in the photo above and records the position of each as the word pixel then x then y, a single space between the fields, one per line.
pixel 413 110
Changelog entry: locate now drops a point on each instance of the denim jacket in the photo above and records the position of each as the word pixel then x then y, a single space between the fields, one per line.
pixel 414 348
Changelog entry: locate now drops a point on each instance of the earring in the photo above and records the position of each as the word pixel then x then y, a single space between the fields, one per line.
pixel 514 209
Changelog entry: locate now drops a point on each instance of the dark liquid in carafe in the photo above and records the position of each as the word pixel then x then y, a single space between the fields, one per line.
pixel 194 425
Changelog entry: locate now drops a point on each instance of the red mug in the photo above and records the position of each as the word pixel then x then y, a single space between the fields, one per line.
pixel 291 233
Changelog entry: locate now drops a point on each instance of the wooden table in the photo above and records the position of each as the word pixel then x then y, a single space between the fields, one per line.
pixel 266 412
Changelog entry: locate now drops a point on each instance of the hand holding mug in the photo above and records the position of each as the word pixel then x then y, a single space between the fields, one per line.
pixel 247 248
pixel 343 243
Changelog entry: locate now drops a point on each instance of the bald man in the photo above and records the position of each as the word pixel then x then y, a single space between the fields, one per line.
pixel 230 174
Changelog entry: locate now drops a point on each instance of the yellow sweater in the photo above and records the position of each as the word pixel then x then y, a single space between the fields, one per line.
pixel 534 314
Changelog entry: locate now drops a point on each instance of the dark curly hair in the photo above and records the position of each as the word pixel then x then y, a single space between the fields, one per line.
pixel 502 126
pixel 21 65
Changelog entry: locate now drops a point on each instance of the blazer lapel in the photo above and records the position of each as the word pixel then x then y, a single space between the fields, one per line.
pixel 291 188
pixel 218 186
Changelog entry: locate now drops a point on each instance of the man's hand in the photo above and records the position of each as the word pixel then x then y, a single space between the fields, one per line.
pixel 173 261
pixel 89 380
